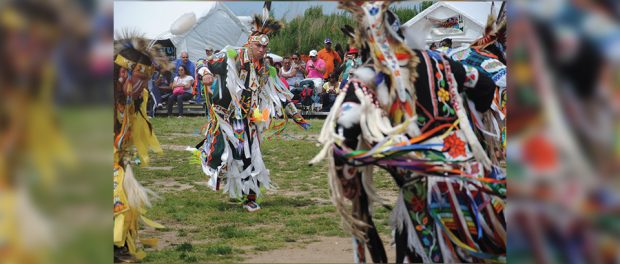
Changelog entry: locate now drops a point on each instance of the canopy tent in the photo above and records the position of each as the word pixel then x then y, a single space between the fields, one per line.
pixel 217 28
pixel 216 25
pixel 461 21
pixel 276 58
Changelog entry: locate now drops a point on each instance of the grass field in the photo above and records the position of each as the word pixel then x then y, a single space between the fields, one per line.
pixel 206 226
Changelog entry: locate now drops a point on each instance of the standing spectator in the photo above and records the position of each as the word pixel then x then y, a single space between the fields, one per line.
pixel 289 72
pixel 184 60
pixel 340 50
pixel 351 62
pixel 198 89
pixel 299 65
pixel 209 52
pixel 182 90
pixel 331 58
pixel 315 66
pixel 433 46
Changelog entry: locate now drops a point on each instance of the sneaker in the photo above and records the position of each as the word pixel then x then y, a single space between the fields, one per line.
pixel 160 106
pixel 179 116
pixel 251 206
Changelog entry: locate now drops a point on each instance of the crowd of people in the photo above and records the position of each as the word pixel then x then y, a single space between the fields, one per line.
pixel 329 67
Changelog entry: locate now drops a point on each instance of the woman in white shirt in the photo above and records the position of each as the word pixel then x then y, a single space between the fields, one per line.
pixel 181 90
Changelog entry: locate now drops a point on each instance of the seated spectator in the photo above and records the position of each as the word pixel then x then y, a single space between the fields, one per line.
pixel 285 83
pixel 290 73
pixel 269 60
pixel 159 88
pixel 330 91
pixel 299 65
pixel 315 66
pixel 184 60
pixel 182 90
pixel 278 66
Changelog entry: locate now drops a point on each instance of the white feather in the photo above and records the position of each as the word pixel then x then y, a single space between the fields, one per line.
pixel 383 95
pixel 366 75
pixel 137 195
pixel 349 114
pixel 183 24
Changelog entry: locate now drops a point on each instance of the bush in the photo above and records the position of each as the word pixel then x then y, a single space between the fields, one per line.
pixel 307 32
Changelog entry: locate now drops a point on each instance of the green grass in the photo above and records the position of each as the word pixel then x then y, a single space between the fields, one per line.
pixel 209 227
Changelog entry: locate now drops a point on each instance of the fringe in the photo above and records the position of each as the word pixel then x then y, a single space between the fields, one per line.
pixel 328 136
pixel 137 195
pixel 349 222
pixel 400 220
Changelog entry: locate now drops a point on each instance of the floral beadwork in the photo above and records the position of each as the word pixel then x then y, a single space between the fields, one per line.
pixel 444 96
pixel 454 145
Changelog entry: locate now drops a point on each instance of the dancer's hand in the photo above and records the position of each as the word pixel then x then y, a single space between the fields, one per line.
pixel 207 80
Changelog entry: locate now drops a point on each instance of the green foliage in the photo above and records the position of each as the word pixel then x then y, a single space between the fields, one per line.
pixel 307 32
pixel 404 14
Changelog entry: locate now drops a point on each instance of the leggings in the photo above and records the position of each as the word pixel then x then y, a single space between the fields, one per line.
pixel 179 99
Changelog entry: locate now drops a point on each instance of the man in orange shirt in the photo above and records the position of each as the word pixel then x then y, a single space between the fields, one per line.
pixel 331 58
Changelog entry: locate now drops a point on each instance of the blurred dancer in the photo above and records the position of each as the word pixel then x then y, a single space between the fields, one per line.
pixel 133 62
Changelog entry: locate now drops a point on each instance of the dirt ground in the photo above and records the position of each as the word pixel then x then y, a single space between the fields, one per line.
pixel 327 250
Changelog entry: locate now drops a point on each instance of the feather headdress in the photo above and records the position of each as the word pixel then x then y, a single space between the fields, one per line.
pixel 132 49
pixel 494 29
pixel 264 25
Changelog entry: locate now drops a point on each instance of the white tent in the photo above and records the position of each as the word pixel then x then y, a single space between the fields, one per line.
pixel 216 25
pixel 217 28
pixel 275 57
pixel 469 21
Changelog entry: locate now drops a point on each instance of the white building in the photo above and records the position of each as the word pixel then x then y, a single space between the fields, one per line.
pixel 461 21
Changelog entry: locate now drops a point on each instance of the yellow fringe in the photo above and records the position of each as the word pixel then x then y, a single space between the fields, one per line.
pixel 143 137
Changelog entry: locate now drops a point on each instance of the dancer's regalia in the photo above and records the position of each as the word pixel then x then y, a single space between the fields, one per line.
pixel 405 111
pixel 247 97
pixel 487 56
pixel 131 129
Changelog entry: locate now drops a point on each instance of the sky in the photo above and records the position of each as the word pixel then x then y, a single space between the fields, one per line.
pixel 155 17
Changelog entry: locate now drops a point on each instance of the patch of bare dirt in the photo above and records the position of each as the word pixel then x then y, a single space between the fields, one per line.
pixel 174 147
pixel 171 185
pixel 170 237
pixel 326 250
pixel 165 238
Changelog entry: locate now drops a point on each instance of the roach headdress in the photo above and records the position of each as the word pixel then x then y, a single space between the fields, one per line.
pixel 264 25
pixel 132 52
